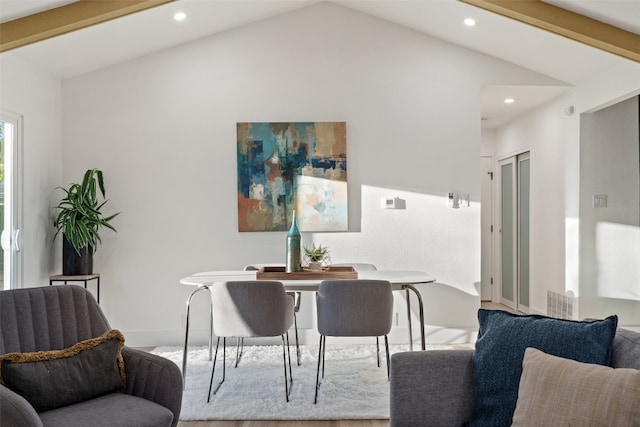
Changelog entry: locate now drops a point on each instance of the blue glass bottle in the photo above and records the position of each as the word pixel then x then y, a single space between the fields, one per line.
pixel 293 247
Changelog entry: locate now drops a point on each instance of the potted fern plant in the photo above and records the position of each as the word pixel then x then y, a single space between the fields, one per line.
pixel 80 220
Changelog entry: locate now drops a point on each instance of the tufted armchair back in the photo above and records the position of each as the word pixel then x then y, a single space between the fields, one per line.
pixel 48 318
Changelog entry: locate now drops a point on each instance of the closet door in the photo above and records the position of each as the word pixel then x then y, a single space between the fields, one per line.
pixel 514 231
pixel 508 232
pixel 524 167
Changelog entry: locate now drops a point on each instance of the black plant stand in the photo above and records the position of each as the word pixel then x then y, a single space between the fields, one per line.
pixel 81 278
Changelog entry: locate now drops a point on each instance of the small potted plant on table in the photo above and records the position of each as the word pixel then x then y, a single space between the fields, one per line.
pixel 317 256
pixel 80 219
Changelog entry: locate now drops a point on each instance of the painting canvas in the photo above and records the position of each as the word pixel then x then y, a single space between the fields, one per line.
pixel 299 166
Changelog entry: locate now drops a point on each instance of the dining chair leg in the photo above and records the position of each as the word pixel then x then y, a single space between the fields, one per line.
pixel 210 325
pixel 320 352
pixel 224 359
pixel 295 324
pixel 213 370
pixel 386 347
pixel 378 350
pixel 288 382
pixel 324 347
pixel 224 364
pixel 289 354
pixel 239 349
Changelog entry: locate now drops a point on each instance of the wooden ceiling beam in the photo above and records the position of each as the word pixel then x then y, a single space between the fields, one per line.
pixel 67 18
pixel 568 24
pixel 84 13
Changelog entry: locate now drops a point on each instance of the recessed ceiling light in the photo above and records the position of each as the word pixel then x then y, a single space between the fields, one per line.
pixel 469 22
pixel 180 16
pixel 509 100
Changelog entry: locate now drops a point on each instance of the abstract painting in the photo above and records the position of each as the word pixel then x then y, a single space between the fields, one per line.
pixel 299 166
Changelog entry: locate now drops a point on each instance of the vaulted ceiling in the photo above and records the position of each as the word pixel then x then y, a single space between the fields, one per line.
pixel 569 40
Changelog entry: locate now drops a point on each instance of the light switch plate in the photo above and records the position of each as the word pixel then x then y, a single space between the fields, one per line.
pixel 599 200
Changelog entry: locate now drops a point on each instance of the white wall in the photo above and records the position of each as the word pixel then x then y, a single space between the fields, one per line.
pixel 36 96
pixel 541 133
pixel 554 140
pixel 163 130
pixel 610 236
pixel 613 86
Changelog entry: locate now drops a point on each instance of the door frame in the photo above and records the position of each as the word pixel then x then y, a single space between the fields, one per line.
pixel 487 217
pixel 526 156
pixel 10 236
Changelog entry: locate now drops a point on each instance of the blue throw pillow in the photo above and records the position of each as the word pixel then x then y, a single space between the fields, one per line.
pixel 502 340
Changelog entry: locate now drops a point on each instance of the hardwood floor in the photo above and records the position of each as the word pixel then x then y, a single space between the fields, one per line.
pixel 311 423
pixel 271 423
pixel 497 306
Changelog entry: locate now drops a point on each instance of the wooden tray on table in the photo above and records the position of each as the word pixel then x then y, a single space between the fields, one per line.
pixel 327 273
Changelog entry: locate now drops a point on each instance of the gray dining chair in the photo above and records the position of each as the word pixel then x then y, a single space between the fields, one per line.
pixel 296 297
pixel 353 308
pixel 251 309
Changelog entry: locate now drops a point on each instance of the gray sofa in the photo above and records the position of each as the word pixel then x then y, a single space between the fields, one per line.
pixel 57 317
pixel 435 388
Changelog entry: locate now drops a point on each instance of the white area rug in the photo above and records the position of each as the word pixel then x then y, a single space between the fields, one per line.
pixel 353 386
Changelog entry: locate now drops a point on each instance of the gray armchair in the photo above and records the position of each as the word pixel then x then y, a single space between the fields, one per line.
pixel 57 317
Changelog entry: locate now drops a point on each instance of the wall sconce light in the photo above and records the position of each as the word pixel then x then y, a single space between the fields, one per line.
pixel 394 203
pixel 458 200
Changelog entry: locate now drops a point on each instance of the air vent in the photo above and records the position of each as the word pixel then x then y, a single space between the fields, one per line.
pixel 561 306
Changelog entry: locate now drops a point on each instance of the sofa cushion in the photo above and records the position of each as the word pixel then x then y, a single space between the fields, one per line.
pixel 562 392
pixel 114 409
pixel 51 379
pixel 626 349
pixel 502 340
